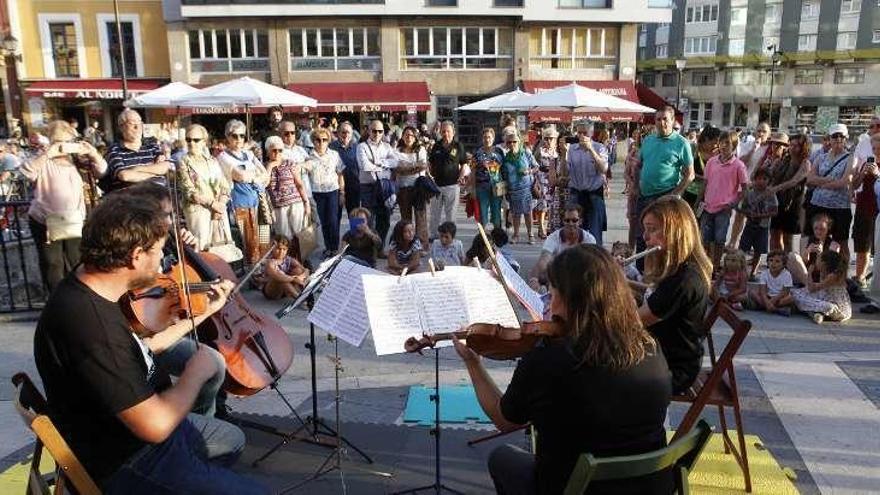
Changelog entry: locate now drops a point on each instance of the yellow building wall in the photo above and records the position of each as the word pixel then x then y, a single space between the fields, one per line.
pixel 153 49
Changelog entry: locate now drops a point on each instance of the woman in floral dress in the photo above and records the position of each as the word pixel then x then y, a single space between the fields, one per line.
pixel 547 155
pixel 560 194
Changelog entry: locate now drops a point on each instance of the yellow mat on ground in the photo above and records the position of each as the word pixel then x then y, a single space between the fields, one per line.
pixel 15 478
pixel 718 473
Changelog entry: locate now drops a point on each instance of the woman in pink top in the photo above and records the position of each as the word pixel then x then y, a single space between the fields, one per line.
pixel 58 210
pixel 726 181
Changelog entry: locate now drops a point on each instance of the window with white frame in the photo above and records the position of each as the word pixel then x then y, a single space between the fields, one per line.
pixel 330 48
pixel 228 50
pixel 810 9
pixel 111 61
pixel 585 4
pixel 662 51
pixel 703 78
pixel 669 79
pixel 700 45
pixel 746 77
pixel 574 48
pixel 773 13
pixel 875 37
pixel 847 40
pixel 701 13
pixel 700 114
pixel 453 48
pixel 849 75
pixel 736 47
pixel 61 38
pixel 738 16
pixel 850 6
pixel 809 76
pixel 807 43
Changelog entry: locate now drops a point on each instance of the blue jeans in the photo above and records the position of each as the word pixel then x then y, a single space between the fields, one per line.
pixel 489 205
pixel 191 460
pixel 173 361
pixel 593 205
pixel 329 212
pixel 713 227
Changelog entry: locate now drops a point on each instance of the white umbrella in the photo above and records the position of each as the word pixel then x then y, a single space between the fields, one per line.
pixel 499 103
pixel 161 97
pixel 244 91
pixel 576 98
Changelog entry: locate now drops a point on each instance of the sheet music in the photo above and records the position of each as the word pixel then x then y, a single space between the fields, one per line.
pixel 411 306
pixel 526 295
pixel 394 312
pixel 341 308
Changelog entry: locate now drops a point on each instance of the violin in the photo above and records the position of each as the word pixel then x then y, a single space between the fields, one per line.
pixel 153 309
pixel 494 341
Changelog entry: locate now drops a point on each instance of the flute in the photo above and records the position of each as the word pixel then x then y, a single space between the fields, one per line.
pixel 640 255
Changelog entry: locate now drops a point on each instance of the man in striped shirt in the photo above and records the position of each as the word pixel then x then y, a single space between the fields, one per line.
pixel 134 159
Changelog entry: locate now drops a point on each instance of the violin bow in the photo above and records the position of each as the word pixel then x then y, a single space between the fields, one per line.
pixel 253 270
pixel 181 260
pixel 489 249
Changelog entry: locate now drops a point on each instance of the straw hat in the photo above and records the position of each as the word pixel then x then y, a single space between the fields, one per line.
pixel 779 137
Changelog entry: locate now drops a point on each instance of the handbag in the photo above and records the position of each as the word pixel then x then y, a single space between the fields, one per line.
pixel 537 190
pixel 307 238
pixel 499 189
pixel 221 245
pixel 65 225
pixel 265 212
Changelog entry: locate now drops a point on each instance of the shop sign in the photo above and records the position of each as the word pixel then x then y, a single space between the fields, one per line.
pixel 357 108
pixel 90 94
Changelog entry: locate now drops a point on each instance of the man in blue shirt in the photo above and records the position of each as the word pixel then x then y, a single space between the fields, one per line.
pixel 346 145
pixel 667 167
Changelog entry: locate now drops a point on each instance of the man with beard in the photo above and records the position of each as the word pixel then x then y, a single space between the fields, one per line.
pixel 122 417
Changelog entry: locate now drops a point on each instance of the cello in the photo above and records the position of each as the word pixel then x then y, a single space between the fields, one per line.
pixel 255 347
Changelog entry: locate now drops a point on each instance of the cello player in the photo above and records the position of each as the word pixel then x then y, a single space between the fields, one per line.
pixel 603 388
pixel 127 424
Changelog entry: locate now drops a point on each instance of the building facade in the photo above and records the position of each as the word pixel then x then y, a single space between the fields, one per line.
pixel 413 60
pixel 71 66
pixel 792 63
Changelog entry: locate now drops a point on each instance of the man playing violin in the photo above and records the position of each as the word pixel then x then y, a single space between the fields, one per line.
pixel 603 387
pixel 128 425
pixel 171 347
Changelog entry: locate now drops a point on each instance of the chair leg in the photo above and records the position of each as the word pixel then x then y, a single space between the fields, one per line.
pixel 744 465
pixel 722 418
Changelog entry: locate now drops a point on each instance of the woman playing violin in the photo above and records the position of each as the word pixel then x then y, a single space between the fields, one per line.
pixel 602 388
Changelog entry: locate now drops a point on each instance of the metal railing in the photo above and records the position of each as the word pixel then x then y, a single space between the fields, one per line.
pixel 21 287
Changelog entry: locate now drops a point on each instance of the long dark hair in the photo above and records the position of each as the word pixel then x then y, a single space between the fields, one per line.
pixel 417 145
pixel 602 317
pixel 397 234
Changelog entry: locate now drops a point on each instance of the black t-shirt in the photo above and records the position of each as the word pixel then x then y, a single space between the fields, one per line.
pixel 446 162
pixel 588 410
pixel 680 301
pixel 92 368
pixel 362 247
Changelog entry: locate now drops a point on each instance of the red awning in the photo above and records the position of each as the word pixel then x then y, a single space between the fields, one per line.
pixel 91 89
pixel 368 96
pixel 620 89
pixel 651 99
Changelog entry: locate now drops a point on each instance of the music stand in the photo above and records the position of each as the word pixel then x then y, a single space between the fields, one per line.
pixel 313 425
pixel 437 486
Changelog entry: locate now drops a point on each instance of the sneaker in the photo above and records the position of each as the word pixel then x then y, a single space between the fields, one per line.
pixel 870 309
pixel 737 306
pixel 818 318
pixel 783 311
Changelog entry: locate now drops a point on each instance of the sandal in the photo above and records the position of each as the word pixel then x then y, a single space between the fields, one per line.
pixel 531 239
pixel 514 239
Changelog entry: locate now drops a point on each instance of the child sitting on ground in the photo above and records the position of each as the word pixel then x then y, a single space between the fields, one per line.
pixel 621 251
pixel 758 206
pixel 405 250
pixel 774 293
pixel 500 242
pixel 286 276
pixel 447 250
pixel 362 242
pixel 731 285
pixel 826 299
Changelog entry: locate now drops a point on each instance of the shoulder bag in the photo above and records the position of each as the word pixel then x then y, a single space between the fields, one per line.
pixel 808 196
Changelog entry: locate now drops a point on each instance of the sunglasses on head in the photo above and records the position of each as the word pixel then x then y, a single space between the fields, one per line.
pixel 193 140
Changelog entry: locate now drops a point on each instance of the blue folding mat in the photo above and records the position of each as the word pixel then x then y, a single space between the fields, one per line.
pixel 458 404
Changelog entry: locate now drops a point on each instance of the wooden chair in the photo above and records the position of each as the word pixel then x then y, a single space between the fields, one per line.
pixel 680 455
pixel 32 407
pixel 716 386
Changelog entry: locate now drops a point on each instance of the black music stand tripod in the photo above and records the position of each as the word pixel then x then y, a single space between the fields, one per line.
pixel 438 486
pixel 315 429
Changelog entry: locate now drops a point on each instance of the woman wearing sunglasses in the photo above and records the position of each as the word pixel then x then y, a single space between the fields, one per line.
pixel 205 190
pixel 830 177
pixel 325 169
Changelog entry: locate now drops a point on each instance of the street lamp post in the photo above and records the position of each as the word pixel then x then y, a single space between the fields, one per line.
pixel 680 64
pixel 775 56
